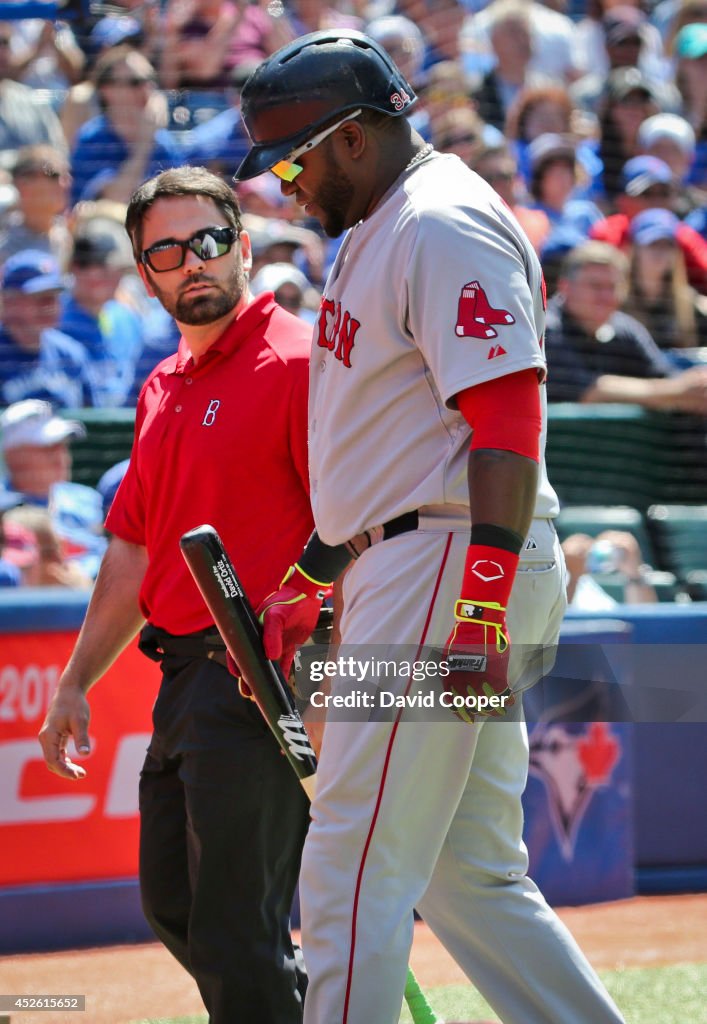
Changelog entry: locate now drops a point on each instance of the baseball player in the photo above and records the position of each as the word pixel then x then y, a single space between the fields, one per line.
pixel 426 438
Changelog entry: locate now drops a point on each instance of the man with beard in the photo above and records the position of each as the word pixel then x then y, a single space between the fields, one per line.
pixel 221 428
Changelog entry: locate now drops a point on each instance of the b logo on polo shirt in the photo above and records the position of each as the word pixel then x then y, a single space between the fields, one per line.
pixel 210 414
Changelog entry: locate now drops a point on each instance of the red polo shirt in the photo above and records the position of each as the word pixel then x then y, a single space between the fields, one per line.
pixel 225 443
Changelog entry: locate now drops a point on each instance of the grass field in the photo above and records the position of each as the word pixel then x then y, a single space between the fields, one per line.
pixel 646 995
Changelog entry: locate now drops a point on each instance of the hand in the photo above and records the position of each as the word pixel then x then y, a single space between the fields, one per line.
pixel 243 688
pixel 289 615
pixel 477 653
pixel 68 715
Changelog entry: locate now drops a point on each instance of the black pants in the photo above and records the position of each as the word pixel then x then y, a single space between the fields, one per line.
pixel 223 820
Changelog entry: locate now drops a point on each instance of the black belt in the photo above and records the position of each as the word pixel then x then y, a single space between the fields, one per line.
pixel 156 643
pixel 405 523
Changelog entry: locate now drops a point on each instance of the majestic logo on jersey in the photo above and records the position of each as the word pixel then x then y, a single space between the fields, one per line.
pixel 495 351
pixel 476 317
pixel 336 330
pixel 572 766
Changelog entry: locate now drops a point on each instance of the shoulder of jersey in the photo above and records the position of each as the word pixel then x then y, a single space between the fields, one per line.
pixel 448 182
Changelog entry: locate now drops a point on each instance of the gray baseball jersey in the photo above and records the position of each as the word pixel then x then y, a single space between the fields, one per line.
pixel 436 291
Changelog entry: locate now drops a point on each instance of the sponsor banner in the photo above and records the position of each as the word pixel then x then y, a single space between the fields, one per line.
pixel 56 830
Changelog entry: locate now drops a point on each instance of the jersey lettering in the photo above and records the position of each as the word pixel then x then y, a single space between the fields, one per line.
pixel 327 308
pixel 338 337
pixel 210 414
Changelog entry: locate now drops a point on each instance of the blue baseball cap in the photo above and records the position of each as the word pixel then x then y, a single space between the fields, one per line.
pixel 641 172
pixel 653 226
pixel 561 240
pixel 31 271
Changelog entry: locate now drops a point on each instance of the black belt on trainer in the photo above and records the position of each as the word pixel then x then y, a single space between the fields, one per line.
pixel 156 643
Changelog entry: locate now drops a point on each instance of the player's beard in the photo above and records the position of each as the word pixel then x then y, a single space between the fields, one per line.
pixel 203 308
pixel 334 197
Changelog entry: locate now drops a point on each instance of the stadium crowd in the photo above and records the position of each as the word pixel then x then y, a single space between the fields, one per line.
pixel 589 117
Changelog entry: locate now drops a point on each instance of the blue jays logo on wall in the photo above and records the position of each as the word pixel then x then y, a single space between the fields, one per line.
pixel 573 762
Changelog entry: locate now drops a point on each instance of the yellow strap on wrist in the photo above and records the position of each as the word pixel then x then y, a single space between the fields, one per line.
pixel 298 567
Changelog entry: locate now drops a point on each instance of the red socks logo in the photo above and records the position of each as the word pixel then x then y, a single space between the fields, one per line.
pixel 476 317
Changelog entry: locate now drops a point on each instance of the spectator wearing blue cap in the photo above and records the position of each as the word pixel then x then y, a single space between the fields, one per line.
pixel 648 183
pixel 659 296
pixel 108 329
pixel 36 359
pixel 127 143
pixel 599 353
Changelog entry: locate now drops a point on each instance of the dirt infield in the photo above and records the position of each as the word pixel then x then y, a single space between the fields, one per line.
pixel 127 983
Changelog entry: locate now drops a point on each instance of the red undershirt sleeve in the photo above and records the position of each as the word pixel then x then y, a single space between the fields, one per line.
pixel 505 413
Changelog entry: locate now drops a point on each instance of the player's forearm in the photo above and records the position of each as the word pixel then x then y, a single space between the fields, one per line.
pixel 502 488
pixel 113 616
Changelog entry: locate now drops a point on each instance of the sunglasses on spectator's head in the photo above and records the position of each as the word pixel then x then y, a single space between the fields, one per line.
pixel 287 170
pixel 207 244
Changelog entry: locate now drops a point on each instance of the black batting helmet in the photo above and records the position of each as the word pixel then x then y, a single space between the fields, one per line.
pixel 306 83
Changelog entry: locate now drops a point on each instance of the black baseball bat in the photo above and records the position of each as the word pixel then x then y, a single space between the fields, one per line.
pixel 233 614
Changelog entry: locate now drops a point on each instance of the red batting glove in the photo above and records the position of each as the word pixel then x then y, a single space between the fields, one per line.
pixel 290 615
pixel 477 653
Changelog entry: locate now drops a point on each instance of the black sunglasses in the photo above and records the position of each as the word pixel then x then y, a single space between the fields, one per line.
pixel 207 244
